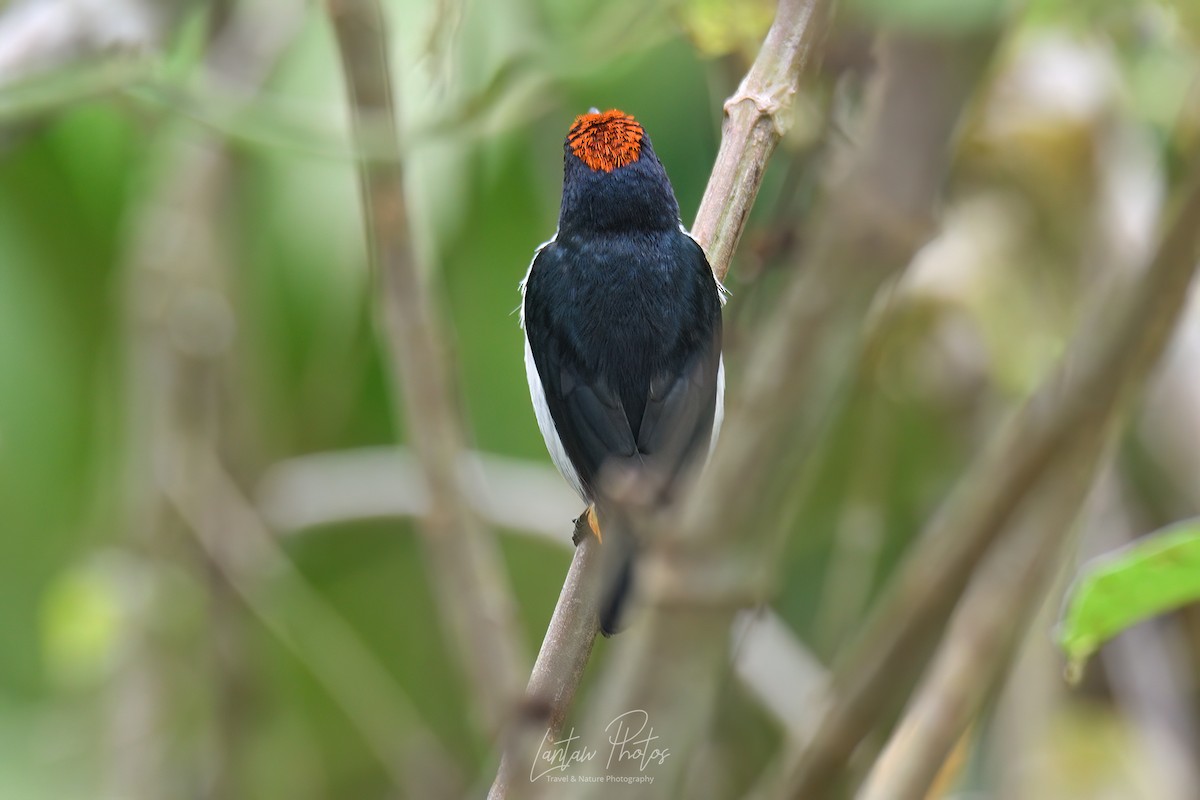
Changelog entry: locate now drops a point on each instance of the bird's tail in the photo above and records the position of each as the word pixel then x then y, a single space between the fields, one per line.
pixel 619 561
pixel 616 592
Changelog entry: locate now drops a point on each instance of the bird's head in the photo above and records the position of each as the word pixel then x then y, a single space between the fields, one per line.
pixel 612 180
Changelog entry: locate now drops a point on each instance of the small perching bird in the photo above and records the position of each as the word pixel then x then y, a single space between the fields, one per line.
pixel 622 320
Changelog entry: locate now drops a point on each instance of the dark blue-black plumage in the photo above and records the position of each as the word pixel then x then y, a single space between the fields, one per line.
pixel 622 319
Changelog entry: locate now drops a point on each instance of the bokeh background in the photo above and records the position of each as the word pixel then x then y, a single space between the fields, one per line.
pixel 177 188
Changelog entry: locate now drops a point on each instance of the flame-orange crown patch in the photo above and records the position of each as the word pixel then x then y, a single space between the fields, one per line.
pixel 606 140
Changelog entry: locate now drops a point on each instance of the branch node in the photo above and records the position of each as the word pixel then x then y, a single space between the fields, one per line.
pixel 775 104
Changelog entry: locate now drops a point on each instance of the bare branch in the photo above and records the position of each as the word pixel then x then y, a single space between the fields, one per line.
pixel 984 632
pixel 241 547
pixel 558 669
pixel 464 556
pixel 180 324
pixel 879 215
pixel 981 634
pixel 178 329
pixel 757 117
pixel 719 553
pixel 1106 364
pixel 1007 590
pixel 382 482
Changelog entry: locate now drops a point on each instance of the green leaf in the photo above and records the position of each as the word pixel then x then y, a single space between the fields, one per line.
pixel 1115 591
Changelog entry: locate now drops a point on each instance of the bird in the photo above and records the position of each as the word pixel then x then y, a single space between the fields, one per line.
pixel 621 315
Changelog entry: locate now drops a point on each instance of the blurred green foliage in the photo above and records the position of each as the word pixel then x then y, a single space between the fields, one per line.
pixel 487 91
pixel 308 375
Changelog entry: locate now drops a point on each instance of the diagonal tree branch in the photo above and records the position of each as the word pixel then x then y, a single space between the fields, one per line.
pixel 1013 580
pixel 1009 587
pixel 985 631
pixel 178 319
pixel 243 550
pixel 464 557
pixel 181 315
pixel 757 116
pixel 1106 365
pixel 558 670
pixel 718 553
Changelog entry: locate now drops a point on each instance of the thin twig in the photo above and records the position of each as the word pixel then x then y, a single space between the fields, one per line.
pixel 1106 364
pixel 178 324
pixel 985 632
pixel 243 550
pixel 718 555
pixel 474 597
pixel 757 117
pixel 1014 578
pixel 383 482
pixel 557 671
pixel 359 484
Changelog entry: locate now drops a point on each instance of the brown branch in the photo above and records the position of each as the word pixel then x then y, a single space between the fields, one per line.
pixel 474 597
pixel 879 215
pixel 720 554
pixel 239 545
pixel 558 669
pixel 377 482
pixel 757 117
pixel 1106 364
pixel 1009 587
pixel 356 484
pixel 1012 582
pixel 178 323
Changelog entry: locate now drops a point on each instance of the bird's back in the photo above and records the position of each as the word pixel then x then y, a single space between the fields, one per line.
pixel 623 317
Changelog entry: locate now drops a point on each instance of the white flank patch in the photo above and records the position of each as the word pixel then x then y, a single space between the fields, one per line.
pixel 558 453
pixel 719 414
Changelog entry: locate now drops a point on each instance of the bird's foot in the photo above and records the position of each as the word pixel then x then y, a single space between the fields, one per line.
pixel 593 523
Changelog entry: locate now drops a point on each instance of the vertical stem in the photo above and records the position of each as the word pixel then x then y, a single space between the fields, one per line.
pixel 464 556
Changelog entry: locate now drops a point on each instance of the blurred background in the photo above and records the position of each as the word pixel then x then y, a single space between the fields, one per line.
pixel 182 270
